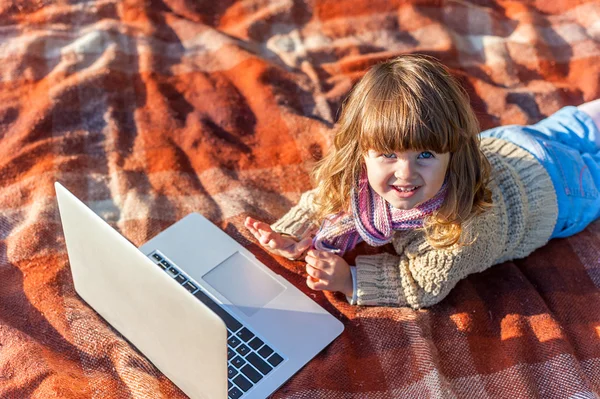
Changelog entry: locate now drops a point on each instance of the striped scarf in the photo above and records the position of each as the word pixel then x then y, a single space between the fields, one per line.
pixel 373 220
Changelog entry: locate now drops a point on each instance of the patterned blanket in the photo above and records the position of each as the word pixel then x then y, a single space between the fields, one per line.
pixel 151 110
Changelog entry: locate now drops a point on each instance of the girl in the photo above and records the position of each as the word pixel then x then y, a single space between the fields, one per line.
pixel 408 166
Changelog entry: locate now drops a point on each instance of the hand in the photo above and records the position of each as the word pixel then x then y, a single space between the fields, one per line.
pixel 276 243
pixel 327 271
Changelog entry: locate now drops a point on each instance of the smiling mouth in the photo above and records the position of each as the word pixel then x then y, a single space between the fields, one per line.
pixel 406 189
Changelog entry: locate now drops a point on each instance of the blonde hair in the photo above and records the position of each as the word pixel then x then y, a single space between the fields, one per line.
pixel 409 103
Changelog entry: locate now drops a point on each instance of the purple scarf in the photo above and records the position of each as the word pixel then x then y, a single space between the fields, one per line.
pixel 372 219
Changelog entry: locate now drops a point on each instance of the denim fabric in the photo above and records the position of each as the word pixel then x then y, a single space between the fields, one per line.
pixel 564 143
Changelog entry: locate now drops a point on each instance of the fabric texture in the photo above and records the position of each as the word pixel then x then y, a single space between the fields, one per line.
pixel 150 110
pixel 565 144
pixel 372 220
pixel 522 219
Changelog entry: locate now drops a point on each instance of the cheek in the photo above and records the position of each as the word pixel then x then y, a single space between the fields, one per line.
pixel 434 179
pixel 439 175
pixel 376 177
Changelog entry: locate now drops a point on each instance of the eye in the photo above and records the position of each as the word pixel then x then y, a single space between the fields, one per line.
pixel 426 155
pixel 388 156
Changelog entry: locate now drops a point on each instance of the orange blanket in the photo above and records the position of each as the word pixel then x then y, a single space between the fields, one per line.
pixel 151 110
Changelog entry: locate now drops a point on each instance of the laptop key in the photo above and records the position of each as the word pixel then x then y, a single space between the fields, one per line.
pixel 180 279
pixel 157 257
pixel 231 372
pixel 233 341
pixel 260 364
pixel 191 287
pixel 245 334
pixel 243 350
pixel 242 382
pixel 275 359
pixel 252 374
pixel 172 271
pixel 230 353
pixel 256 343
pixel 238 361
pixel 235 393
pixel 164 264
pixel 265 351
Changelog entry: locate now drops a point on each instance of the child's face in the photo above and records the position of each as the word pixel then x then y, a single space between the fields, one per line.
pixel 406 179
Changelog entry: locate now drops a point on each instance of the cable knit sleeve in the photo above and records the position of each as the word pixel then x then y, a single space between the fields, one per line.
pixel 300 219
pixel 420 275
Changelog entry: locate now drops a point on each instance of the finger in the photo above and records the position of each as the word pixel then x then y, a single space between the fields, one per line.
pixel 311 260
pixel 312 272
pixel 312 284
pixel 318 285
pixel 252 223
pixel 324 255
pixel 299 248
pixel 313 253
pixel 257 236
pixel 262 227
pixel 272 236
pixel 263 239
pixel 304 244
pixel 248 224
pixel 275 241
pixel 317 273
pixel 317 263
pixel 254 233
pixel 274 244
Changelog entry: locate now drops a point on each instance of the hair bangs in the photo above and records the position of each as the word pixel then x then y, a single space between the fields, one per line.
pixel 396 124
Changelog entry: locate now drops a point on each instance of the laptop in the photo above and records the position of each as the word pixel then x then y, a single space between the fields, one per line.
pixel 210 316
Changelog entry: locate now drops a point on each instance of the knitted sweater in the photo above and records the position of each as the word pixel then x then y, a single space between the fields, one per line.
pixel 521 220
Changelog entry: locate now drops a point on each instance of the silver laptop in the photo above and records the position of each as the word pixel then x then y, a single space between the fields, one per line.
pixel 196 303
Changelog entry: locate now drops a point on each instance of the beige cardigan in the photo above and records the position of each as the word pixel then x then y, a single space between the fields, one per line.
pixel 522 219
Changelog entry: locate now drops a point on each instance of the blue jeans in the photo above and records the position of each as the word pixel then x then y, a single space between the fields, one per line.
pixel 564 143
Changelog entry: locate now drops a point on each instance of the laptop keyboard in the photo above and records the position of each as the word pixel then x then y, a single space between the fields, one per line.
pixel 250 359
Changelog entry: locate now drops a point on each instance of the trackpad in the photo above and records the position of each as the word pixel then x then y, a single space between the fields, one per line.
pixel 243 283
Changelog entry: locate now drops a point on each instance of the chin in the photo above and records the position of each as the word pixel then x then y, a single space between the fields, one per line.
pixel 402 206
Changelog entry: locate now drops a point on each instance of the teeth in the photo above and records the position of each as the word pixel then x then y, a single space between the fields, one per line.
pixel 406 189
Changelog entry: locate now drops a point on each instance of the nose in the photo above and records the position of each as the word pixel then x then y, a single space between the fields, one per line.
pixel 404 170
